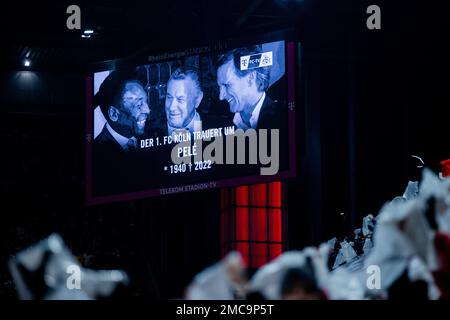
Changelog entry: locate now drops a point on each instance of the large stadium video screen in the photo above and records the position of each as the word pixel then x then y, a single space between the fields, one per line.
pixel 191 120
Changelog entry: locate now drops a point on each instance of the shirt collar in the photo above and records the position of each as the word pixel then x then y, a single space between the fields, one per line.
pixel 194 125
pixel 253 119
pixel 118 137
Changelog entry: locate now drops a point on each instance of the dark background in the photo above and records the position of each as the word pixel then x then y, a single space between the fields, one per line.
pixel 367 101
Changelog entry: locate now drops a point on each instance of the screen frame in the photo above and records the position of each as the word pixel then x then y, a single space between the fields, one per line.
pixel 291 66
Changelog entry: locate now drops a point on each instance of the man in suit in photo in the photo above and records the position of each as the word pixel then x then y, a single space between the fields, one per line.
pixel 183 97
pixel 117 167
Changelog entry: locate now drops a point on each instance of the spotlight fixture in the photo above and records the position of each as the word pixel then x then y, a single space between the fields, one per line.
pixel 27 63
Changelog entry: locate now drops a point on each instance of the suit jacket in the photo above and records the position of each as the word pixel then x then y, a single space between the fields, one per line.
pixel 273 115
